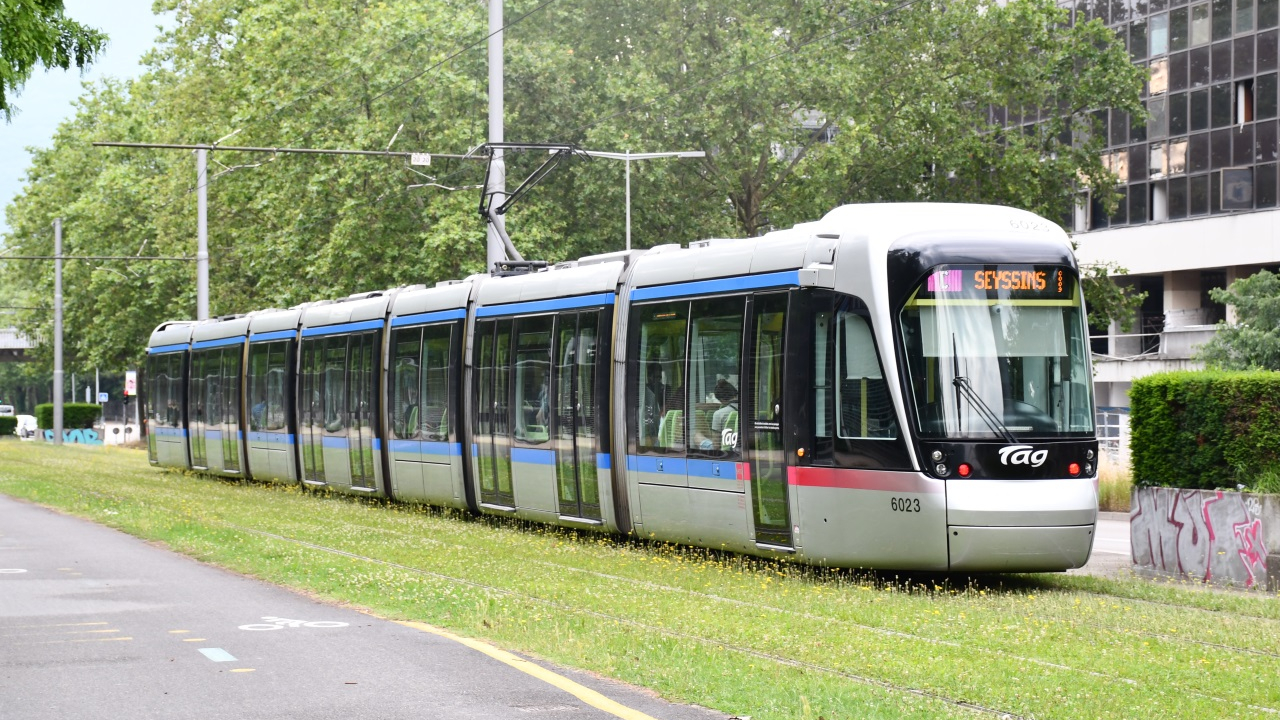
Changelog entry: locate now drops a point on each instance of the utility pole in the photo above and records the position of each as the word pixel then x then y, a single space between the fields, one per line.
pixel 57 331
pixel 495 249
pixel 202 234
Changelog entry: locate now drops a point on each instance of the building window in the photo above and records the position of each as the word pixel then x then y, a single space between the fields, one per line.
pixel 1244 16
pixel 1177 157
pixel 1200 24
pixel 1221 19
pixel 1159 35
pixel 1265 97
pixel 1237 189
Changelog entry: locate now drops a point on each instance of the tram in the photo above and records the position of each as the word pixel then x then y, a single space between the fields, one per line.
pixel 901 386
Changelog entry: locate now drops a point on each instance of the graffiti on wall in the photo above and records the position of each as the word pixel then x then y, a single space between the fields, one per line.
pixel 1210 535
pixel 76 436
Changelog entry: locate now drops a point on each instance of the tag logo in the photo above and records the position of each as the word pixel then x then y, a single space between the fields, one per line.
pixel 1022 455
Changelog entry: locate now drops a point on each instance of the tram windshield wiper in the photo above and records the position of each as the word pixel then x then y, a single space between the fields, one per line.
pixel 983 409
pixel 965 388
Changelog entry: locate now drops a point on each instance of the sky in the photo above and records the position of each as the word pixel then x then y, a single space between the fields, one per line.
pixel 45 101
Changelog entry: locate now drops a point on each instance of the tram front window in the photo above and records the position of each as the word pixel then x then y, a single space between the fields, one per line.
pixel 998 352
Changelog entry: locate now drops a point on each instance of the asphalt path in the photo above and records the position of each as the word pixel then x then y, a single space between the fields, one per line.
pixel 95 623
pixel 1111 554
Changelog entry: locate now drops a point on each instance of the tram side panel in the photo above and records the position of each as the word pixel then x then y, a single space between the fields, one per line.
pixel 339 442
pixel 689 461
pixel 269 396
pixel 540 416
pixel 166 408
pixel 859 501
pixel 424 404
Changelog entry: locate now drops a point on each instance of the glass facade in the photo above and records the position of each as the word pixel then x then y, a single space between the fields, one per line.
pixel 1209 143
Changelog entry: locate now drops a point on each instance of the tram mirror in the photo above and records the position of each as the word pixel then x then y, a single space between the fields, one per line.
pixel 859 349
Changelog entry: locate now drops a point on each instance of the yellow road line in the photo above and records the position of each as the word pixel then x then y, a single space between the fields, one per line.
pixel 63 632
pixel 83 624
pixel 60 642
pixel 583 693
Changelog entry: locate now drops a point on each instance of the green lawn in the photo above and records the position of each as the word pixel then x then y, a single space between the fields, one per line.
pixel 742 635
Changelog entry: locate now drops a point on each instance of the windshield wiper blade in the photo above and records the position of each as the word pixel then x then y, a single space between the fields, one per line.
pixel 963 387
pixel 984 410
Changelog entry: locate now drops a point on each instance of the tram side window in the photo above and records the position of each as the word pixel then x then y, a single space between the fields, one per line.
pixel 335 386
pixel 165 382
pixel 661 392
pixel 406 408
pixel 173 409
pixel 862 395
pixel 277 370
pixel 259 361
pixel 715 359
pixel 533 378
pixel 436 343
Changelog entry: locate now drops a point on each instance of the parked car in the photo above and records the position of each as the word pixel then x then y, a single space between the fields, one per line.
pixel 26 426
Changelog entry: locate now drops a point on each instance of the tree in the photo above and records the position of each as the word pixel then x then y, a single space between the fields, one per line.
pixel 1253 341
pixel 36 32
pixel 1105 300
pixel 801 105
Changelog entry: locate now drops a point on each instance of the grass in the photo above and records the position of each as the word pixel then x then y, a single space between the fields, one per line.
pixel 1115 485
pixel 743 635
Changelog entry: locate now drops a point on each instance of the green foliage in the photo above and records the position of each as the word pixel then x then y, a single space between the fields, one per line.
pixel 1207 429
pixel 1253 341
pixel 757 85
pixel 36 32
pixel 1105 300
pixel 8 425
pixel 740 635
pixel 74 415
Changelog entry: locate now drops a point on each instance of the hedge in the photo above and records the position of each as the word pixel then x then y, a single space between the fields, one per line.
pixel 1206 429
pixel 8 425
pixel 74 415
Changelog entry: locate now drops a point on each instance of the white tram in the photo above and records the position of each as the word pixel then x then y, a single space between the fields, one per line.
pixel 894 386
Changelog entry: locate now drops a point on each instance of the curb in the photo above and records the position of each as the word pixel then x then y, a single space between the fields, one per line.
pixel 1114 516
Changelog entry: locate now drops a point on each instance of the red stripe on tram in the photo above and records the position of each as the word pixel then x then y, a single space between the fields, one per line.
pixel 901 482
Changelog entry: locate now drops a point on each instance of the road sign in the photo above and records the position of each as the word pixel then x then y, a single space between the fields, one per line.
pixel 130 382
pixel 102 397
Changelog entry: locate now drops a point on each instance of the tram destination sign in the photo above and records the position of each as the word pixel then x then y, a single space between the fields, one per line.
pixel 997 282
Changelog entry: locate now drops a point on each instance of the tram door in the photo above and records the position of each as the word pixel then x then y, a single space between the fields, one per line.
pixel 576 473
pixel 493 416
pixel 769 497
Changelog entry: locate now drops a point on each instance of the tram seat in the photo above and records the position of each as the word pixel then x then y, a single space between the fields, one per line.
pixel 535 433
pixel 434 422
pixel 730 423
pixel 410 429
pixel 671 429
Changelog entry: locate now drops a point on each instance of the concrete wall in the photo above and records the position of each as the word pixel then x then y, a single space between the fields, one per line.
pixel 1211 536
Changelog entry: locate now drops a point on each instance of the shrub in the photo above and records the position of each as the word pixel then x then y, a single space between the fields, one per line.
pixel 74 415
pixel 8 425
pixel 1206 429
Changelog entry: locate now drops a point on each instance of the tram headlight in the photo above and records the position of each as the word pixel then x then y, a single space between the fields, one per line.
pixel 941 470
pixel 1088 454
pixel 937 456
pixel 1088 469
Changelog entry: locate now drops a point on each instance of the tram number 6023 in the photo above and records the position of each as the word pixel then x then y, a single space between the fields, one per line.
pixel 904 504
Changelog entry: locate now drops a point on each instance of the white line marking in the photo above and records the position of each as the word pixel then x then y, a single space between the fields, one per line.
pixel 11 571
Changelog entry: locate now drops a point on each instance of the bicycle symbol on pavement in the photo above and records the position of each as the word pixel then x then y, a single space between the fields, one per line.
pixel 279 623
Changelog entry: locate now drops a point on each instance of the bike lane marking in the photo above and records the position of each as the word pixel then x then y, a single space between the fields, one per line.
pixel 583 693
